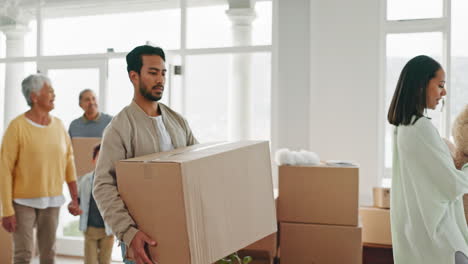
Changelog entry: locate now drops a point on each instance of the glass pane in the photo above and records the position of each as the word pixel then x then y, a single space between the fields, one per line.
pixel 207 124
pixel 208 117
pixel 400 49
pixel 121 88
pixel 414 9
pixel 2 45
pixel 68 83
pixel 260 96
pixel 176 92
pixel 214 25
pixel 121 32
pixel 458 91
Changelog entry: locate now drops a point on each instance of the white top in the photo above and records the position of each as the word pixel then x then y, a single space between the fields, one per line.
pixel 41 202
pixel 427 217
pixel 165 141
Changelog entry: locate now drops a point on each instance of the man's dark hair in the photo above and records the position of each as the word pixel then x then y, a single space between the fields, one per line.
pixel 409 98
pixel 96 150
pixel 135 60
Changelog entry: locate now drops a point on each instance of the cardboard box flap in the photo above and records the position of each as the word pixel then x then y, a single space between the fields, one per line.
pixel 193 152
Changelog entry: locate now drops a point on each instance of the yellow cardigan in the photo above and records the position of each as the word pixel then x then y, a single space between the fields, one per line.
pixel 34 161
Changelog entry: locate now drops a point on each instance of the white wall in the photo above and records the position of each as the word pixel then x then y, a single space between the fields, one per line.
pixel 328 97
pixel 345 89
pixel 290 95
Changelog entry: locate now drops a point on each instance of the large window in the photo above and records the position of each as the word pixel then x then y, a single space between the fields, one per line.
pixel 414 9
pixel 214 25
pixel 459 58
pixel 400 49
pixel 120 32
pixel 437 30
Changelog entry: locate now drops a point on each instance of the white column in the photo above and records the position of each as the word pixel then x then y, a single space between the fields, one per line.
pixel 14 102
pixel 239 101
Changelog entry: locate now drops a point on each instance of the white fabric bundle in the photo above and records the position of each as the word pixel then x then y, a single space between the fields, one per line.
pixel 288 157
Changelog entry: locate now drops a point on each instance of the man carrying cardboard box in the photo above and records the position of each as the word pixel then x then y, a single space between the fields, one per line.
pixel 144 127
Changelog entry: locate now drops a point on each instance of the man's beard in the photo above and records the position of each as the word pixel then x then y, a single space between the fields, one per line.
pixel 147 94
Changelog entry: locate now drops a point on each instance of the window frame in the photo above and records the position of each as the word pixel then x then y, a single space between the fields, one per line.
pixel 443 25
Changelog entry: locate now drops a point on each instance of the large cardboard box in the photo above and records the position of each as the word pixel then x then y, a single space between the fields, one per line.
pixel 320 244
pixel 6 246
pixel 319 195
pixel 266 247
pixel 381 197
pixel 203 202
pixel 375 225
pixel 83 152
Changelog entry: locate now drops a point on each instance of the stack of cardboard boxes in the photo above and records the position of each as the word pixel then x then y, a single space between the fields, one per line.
pixel 376 220
pixel 318 214
pixel 203 202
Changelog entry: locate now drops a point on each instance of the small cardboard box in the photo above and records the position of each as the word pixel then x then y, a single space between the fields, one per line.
pixel 375 225
pixel 6 246
pixel 203 202
pixel 83 152
pixel 320 244
pixel 381 197
pixel 319 195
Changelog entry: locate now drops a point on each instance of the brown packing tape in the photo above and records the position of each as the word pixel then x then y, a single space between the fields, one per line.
pixel 190 150
pixel 160 156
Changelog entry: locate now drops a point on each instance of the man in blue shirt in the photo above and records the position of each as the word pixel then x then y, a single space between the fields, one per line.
pixel 92 123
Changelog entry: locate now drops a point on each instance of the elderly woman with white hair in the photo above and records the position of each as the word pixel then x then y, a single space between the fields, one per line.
pixel 36 158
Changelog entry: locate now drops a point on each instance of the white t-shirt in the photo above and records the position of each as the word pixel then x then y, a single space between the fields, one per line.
pixel 165 141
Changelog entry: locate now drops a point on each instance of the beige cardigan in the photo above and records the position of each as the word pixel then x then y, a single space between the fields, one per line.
pixel 130 134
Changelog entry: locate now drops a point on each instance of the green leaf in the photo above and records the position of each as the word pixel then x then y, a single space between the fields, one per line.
pixel 247 259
